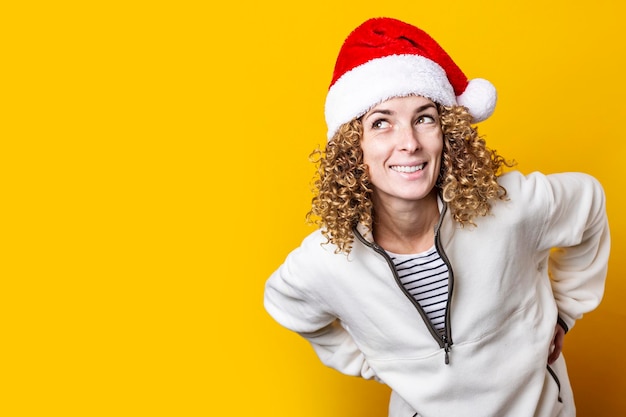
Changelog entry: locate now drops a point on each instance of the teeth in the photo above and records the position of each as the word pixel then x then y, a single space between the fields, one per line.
pixel 402 168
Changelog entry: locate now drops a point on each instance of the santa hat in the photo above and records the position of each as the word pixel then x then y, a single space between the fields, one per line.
pixel 385 58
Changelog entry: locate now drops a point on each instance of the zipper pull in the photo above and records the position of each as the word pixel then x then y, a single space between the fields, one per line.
pixel 446 348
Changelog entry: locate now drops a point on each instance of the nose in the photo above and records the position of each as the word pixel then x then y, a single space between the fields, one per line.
pixel 408 139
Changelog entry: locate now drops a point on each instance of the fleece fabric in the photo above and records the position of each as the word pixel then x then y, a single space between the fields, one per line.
pixel 538 257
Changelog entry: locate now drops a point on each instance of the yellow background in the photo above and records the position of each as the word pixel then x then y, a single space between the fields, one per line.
pixel 155 172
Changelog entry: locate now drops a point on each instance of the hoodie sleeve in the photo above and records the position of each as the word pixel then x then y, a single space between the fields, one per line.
pixel 577 234
pixel 290 298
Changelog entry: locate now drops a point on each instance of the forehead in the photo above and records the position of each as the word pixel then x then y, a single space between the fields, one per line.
pixel 401 102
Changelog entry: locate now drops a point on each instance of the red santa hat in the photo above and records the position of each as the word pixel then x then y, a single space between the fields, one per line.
pixel 385 58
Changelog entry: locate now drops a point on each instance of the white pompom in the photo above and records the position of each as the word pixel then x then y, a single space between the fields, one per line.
pixel 480 99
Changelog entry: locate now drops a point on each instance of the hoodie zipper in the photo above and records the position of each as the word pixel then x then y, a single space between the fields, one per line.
pixel 444 341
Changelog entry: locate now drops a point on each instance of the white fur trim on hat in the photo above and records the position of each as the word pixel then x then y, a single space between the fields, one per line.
pixel 375 81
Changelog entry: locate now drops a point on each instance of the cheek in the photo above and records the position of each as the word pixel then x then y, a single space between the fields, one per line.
pixel 435 146
pixel 437 152
pixel 371 154
pixel 440 153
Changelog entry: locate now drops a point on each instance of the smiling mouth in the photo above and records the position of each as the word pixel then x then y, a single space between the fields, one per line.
pixel 408 169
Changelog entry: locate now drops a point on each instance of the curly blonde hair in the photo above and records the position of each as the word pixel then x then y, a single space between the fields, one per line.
pixel 467 181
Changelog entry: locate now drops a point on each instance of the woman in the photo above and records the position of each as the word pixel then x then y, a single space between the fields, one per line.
pixel 431 271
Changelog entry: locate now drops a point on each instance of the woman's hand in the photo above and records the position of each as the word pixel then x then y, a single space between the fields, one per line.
pixel 557 344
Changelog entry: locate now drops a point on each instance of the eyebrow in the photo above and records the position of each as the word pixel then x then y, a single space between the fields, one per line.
pixel 390 112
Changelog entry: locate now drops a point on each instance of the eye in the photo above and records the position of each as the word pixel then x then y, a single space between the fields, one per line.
pixel 380 124
pixel 425 119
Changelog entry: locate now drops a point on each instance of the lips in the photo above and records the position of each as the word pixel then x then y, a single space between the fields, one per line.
pixel 407 168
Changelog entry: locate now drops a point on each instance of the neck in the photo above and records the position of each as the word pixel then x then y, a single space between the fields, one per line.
pixel 409 229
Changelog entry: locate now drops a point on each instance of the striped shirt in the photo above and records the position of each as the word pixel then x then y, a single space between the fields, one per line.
pixel 425 277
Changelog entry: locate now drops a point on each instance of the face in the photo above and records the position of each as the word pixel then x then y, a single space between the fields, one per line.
pixel 402 145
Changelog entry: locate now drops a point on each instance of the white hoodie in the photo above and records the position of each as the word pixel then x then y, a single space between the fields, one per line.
pixel 539 257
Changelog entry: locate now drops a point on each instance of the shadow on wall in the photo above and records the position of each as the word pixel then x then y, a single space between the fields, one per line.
pixel 595 359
